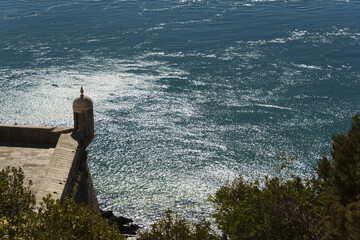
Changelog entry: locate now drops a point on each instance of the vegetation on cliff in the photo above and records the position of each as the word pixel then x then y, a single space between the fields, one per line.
pixel 325 206
pixel 51 220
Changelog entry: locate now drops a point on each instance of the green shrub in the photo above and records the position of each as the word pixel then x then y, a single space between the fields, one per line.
pixel 326 206
pixel 173 227
pixel 68 221
pixel 16 199
pixel 51 220
pixel 273 209
pixel 340 179
pixel 342 172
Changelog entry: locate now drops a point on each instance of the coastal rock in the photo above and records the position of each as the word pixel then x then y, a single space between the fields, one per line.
pixel 124 224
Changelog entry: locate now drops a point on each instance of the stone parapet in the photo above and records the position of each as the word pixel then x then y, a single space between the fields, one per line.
pixel 65 171
pixel 31 134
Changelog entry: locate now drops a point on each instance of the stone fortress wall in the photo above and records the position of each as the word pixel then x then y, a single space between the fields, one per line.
pixel 54 158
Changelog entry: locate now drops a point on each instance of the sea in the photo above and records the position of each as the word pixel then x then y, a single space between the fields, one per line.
pixel 187 93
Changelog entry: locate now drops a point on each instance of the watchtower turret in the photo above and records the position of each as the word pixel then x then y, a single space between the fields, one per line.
pixel 84 117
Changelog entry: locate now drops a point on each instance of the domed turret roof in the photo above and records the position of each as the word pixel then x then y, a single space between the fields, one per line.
pixel 82 102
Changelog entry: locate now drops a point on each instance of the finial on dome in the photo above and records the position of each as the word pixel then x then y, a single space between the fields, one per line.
pixel 81 92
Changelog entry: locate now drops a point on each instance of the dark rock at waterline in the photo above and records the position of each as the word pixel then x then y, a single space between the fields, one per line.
pixel 129 229
pixel 124 224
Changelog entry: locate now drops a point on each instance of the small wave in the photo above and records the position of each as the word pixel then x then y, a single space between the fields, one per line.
pixel 273 106
pixel 297 34
pixel 307 66
pixel 278 40
pixel 154 28
pixel 35 14
pixel 93 40
pixel 196 21
pixel 51 8
pixel 263 0
pixel 270 1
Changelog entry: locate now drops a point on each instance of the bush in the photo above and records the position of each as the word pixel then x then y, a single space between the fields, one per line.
pixel 273 209
pixel 340 179
pixel 52 220
pixel 326 206
pixel 16 200
pixel 68 221
pixel 172 226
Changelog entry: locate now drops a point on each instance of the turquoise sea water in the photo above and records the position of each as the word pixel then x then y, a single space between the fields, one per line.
pixel 187 93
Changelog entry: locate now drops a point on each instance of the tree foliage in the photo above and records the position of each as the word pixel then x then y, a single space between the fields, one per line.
pixel 15 198
pixel 326 206
pixel 68 221
pixel 172 226
pixel 340 179
pixel 16 201
pixel 51 220
pixel 273 209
